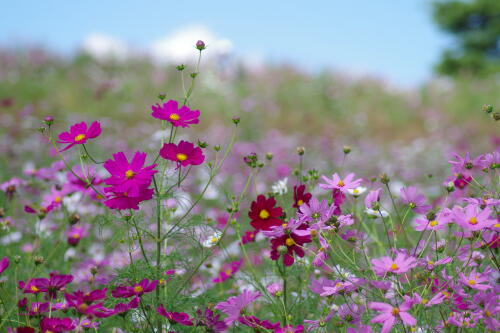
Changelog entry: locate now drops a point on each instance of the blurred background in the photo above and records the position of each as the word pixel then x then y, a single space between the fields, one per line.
pixel 393 79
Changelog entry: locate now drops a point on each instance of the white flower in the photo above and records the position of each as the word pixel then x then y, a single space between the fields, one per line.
pixel 357 191
pixel 375 213
pixel 213 239
pixel 279 188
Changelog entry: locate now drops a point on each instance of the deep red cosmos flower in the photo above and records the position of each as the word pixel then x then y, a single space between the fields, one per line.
pixel 79 134
pixel 263 214
pixel 136 290
pixel 184 154
pixel 175 317
pixel 300 197
pixel 287 240
pixel 170 112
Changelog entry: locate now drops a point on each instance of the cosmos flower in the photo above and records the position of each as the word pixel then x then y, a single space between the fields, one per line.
pixel 263 213
pixel 234 305
pixel 289 329
pixel 356 192
pixel 314 211
pixel 175 317
pixel 178 117
pixel 121 308
pixel 212 239
pixel 389 314
pixel 76 233
pixel 258 324
pixel 401 264
pixel 475 280
pixel 439 222
pixel 4 264
pixel 136 290
pixel 211 321
pixel 51 286
pixel 184 154
pixel 127 177
pixel 279 188
pixel 228 270
pixel 79 134
pixel 372 197
pixel 123 201
pixel 287 240
pixel 300 196
pixel 473 218
pixel 343 185
pixel 56 325
pixel 414 200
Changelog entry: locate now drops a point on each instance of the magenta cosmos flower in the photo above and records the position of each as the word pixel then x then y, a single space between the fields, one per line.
pixel 123 201
pixel 51 286
pixel 56 325
pixel 136 290
pixel 401 264
pixel 170 112
pixel 175 317
pixel 475 280
pixel 127 177
pixel 228 270
pixel 337 183
pixel 389 314
pixel 235 304
pixel 79 134
pixel 4 264
pixel 184 154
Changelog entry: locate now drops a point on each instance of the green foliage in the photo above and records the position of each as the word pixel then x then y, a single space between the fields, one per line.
pixel 476 28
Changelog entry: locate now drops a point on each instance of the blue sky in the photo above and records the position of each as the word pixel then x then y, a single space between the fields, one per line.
pixel 395 39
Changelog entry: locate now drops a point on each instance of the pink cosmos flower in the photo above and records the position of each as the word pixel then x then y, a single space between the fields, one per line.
pixel 79 134
pixel 414 200
pixel 184 154
pixel 136 290
pixel 372 197
pixel 127 177
pixel 170 112
pixel 438 223
pixel 76 233
pixel 123 201
pixel 475 280
pixel 472 218
pixel 4 264
pixel 313 211
pixel 83 302
pixel 343 185
pixel 175 317
pixel 401 264
pixel 390 314
pixel 228 270
pixel 466 164
pixel 235 304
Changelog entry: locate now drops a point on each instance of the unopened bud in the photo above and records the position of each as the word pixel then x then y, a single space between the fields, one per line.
pixel 49 120
pixel 384 178
pixel 301 150
pixel 193 75
pixel 202 144
pixel 487 108
pixel 73 219
pixel 200 45
pixel 236 120
pixel 41 129
pixel 38 260
pixel 269 156
pixel 496 116
pixel 93 270
pixel 17 259
pixel 162 96
pixel 346 150
pixel 217 148
pixel 282 249
pixel 180 67
pixel 450 187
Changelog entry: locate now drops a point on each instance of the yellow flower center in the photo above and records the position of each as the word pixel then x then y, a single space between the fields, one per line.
pixel 264 214
pixel 76 236
pixel 214 240
pixel 424 301
pixel 338 284
pixel 129 174
pixel 174 116
pixel 433 223
pixel 430 263
pixel 82 307
pixel 47 331
pixel 181 157
pixel 473 220
pixel 393 267
pixel 161 282
pixel 355 191
pixel 58 199
pixel 471 282
pixel 487 313
pixel 228 272
pixel 395 311
pixel 497 225
pixel 284 225
pixel 138 289
pixel 300 202
pixel 314 232
pixel 289 242
pixel 340 183
pixel 33 288
pixel 79 137
pixel 446 294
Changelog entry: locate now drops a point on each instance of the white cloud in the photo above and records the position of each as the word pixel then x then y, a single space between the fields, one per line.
pixel 179 45
pixel 102 46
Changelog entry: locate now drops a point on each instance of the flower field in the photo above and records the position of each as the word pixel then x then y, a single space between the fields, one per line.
pixel 207 197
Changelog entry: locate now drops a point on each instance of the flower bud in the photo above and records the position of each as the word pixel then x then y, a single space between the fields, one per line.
pixel 450 187
pixel 301 150
pixel 202 144
pixel 180 67
pixel 282 249
pixel 217 148
pixel 73 219
pixel 162 96
pixel 41 129
pixel 200 45
pixel 17 259
pixel 38 260
pixel 487 108
pixel 346 149
pixel 384 179
pixel 93 270
pixel 49 120
pixel 269 156
pixel 236 120
pixel 496 116
pixel 193 75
